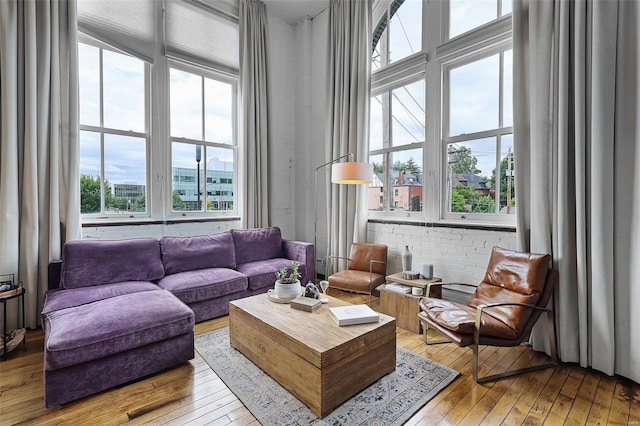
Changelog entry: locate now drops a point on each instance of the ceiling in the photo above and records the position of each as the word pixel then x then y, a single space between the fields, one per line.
pixel 293 11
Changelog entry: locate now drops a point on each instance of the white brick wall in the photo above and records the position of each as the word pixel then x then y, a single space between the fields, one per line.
pixel 459 255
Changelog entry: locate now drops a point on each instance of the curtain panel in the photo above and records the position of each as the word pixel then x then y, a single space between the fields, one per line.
pixel 255 117
pixel 349 92
pixel 577 156
pixel 39 150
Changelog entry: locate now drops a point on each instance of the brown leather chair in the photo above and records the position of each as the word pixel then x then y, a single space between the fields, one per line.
pixel 366 269
pixel 506 304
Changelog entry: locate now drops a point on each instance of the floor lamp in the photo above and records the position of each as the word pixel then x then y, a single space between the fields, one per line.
pixel 345 173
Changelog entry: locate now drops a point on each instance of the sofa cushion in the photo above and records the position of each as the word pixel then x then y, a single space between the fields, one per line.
pixel 90 263
pixel 262 273
pixel 180 254
pixel 256 244
pixel 106 327
pixel 204 284
pixel 61 299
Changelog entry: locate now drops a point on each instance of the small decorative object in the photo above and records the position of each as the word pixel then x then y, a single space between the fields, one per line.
pixel 324 285
pixel 311 291
pixel 417 291
pixel 406 259
pixel 427 271
pixel 288 284
pixel 410 275
pixel 306 304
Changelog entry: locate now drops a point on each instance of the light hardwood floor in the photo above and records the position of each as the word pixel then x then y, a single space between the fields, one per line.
pixel 192 394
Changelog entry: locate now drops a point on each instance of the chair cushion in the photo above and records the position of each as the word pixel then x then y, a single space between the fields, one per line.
pixel 356 280
pixel 262 273
pixel 90 263
pixel 180 254
pixel 95 330
pixel 204 284
pixel 362 253
pixel 461 318
pixel 256 244
pixel 512 277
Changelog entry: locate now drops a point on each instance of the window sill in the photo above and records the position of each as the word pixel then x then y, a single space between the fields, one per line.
pixel 445 224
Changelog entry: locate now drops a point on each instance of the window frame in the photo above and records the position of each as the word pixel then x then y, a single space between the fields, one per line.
pixel 204 72
pixel 101 130
pixel 440 54
pixel 159 173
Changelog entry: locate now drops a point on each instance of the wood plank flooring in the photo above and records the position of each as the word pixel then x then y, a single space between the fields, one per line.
pixel 192 394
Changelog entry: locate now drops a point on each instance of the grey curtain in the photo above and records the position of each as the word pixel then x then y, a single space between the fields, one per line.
pixel 349 91
pixel 39 151
pixel 254 95
pixel 577 157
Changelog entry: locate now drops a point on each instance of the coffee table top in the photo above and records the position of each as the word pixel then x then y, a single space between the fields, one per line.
pixel 313 335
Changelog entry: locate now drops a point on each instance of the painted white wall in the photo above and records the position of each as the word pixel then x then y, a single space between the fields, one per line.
pixel 282 125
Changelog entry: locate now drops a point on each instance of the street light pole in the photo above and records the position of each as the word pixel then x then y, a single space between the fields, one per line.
pixel 198 158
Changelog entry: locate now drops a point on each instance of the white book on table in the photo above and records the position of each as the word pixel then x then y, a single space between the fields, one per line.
pixel 398 288
pixel 353 314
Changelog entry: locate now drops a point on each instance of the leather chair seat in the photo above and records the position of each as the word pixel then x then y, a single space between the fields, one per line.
pixel 356 280
pixel 461 318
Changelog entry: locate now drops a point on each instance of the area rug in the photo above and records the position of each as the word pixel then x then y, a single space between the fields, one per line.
pixel 392 400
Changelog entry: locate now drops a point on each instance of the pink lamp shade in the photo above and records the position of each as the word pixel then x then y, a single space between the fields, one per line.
pixel 351 173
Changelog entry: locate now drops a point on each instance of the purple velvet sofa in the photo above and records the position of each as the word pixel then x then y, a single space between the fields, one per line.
pixel 117 311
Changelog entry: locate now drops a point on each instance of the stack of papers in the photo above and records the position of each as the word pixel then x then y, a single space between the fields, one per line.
pixel 353 314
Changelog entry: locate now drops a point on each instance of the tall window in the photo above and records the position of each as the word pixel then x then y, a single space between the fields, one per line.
pixel 478 140
pixel 158 100
pixel 397 122
pixel 203 148
pixel 441 136
pixel 114 133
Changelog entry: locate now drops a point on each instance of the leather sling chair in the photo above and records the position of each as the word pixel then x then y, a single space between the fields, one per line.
pixel 366 269
pixel 507 303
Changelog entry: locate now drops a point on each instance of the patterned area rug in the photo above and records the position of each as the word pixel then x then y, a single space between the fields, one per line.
pixel 392 400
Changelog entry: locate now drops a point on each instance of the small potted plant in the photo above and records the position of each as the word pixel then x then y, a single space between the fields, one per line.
pixel 288 284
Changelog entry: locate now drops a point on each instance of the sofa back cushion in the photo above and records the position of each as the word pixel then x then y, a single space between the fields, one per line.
pixel 180 254
pixel 257 244
pixel 90 263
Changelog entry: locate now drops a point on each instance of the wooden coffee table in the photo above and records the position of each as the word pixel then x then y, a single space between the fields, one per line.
pixel 322 364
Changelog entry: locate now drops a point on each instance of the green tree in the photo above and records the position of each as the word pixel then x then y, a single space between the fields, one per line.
pixel 409 167
pixel 467 199
pixel 178 204
pixel 463 161
pixel 89 194
pixel 504 166
pixel 377 168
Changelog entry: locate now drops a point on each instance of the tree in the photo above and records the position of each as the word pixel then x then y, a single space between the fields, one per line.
pixel 504 166
pixel 89 194
pixel 377 168
pixel 178 204
pixel 462 160
pixel 409 167
pixel 466 199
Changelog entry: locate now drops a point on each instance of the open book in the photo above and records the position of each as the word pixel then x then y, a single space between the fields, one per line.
pixel 353 314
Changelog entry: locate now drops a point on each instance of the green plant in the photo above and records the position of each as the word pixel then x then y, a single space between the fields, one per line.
pixel 284 277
